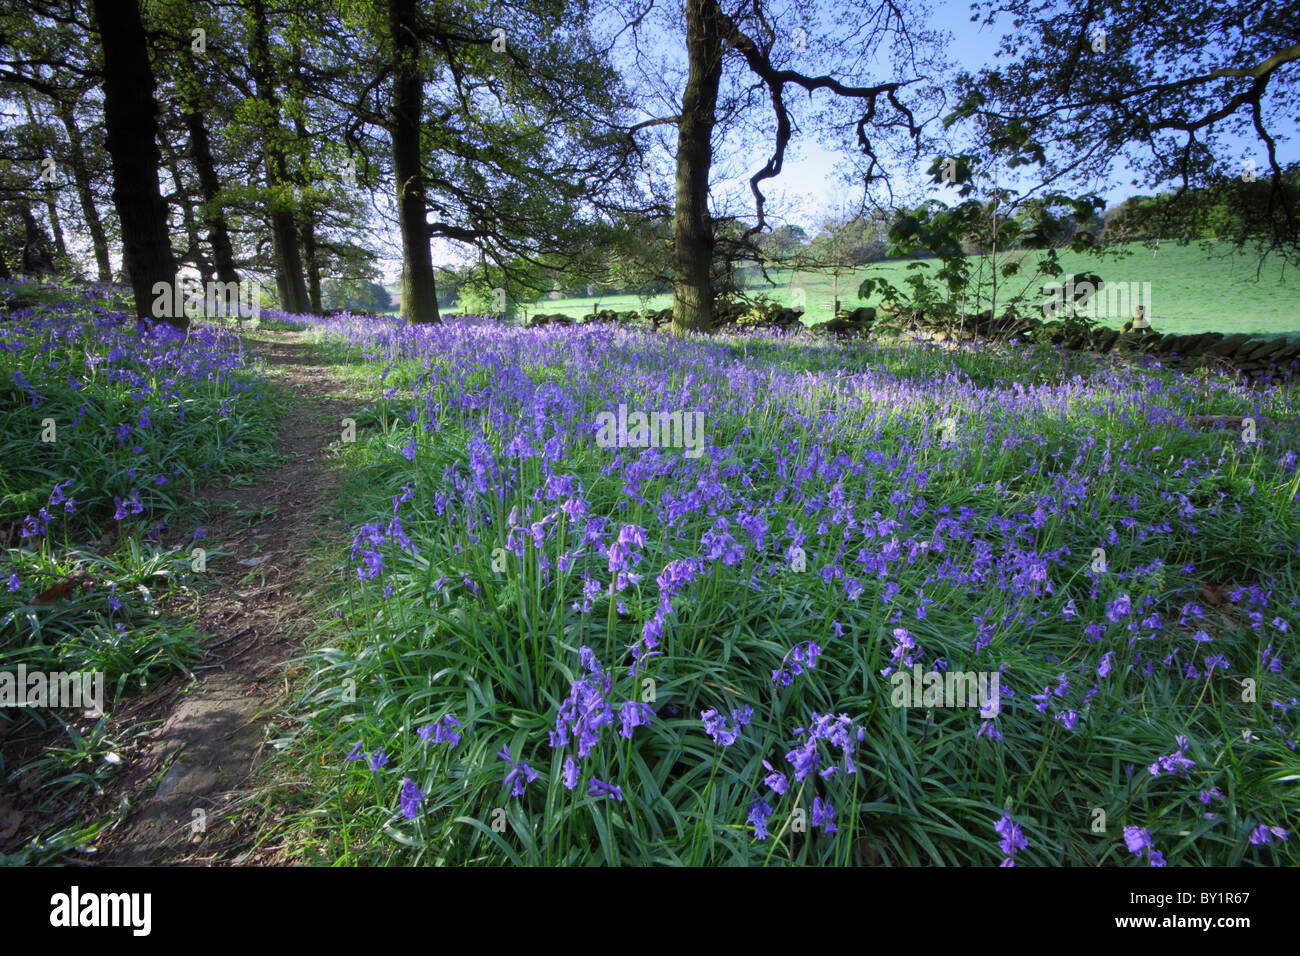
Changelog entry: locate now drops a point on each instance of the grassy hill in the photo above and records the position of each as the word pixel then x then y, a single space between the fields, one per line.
pixel 1191 291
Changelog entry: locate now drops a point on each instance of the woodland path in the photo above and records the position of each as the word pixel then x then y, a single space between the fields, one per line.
pixel 187 781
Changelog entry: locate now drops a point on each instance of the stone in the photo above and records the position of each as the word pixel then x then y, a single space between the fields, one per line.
pixel 1264 350
pixel 1287 352
pixel 1230 345
pixel 1196 344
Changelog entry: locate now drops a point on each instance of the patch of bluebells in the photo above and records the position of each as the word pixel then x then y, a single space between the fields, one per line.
pixel 838 733
pixel 586 711
pixel 873 545
pixel 371 537
pixel 835 733
pixel 75 345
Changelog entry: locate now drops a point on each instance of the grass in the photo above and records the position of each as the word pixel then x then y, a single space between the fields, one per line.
pixel 890 503
pixel 1191 290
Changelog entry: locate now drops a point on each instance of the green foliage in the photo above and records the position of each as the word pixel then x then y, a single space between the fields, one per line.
pixel 357 295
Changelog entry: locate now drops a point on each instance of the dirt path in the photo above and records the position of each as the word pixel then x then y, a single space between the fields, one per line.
pixel 187 779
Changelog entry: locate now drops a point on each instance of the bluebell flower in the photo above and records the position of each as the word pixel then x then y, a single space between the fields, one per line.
pixel 823 815
pixel 598 788
pixel 1138 841
pixel 775 781
pixel 804 758
pixel 634 714
pixel 412 796
pixel 1175 763
pixel 520 773
pixel 441 732
pixel 1013 840
pixel 1263 834
pixel 571 772
pixel 1105 666
pixel 715 725
pixel 758 815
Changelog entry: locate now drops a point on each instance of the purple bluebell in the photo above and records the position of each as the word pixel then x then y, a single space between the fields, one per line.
pixel 412 797
pixel 520 774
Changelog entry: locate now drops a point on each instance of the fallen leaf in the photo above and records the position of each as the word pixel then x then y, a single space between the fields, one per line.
pixel 52 595
pixel 10 820
pixel 1212 594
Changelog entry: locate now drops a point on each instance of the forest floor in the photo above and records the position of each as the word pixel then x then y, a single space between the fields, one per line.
pixel 189 785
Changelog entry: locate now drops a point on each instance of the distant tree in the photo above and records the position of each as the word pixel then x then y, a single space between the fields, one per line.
pixel 49 75
pixel 833 248
pixel 980 243
pixel 1086 83
pixel 355 295
pixel 783 242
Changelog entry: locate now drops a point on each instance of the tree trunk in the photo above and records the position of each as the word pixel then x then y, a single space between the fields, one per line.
pixel 307 213
pixel 48 191
pixel 419 293
pixel 692 229
pixel 313 267
pixel 289 279
pixel 36 258
pixel 129 118
pixel 56 229
pixel 223 254
pixel 185 200
pixel 85 195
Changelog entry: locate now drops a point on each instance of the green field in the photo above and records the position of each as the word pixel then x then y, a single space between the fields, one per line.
pixel 1191 290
